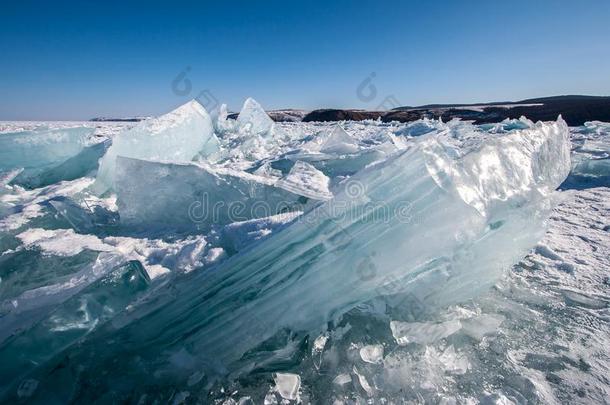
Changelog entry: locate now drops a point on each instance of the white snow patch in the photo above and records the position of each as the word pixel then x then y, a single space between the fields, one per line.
pixel 61 242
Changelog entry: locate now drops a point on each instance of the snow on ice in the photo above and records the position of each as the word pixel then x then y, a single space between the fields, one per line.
pixel 238 260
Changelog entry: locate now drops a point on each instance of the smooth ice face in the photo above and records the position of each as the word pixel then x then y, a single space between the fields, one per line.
pixel 85 163
pixel 177 137
pixel 593 168
pixel 71 319
pixel 157 195
pixel 29 306
pixel 40 150
pixel 253 119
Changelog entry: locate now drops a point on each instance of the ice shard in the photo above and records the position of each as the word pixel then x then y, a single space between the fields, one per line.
pixel 339 142
pixel 441 221
pixel 266 170
pixel 178 137
pixel 304 179
pixel 253 119
pixel 222 123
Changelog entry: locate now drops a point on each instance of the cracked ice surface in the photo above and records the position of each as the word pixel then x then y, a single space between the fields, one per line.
pixel 422 261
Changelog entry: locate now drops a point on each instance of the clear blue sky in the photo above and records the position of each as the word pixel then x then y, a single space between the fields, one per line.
pixel 77 60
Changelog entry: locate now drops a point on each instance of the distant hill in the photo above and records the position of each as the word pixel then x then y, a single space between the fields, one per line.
pixel 128 119
pixel 575 109
pixel 287 115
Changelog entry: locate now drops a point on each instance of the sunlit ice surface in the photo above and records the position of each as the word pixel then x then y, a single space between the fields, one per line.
pixel 192 258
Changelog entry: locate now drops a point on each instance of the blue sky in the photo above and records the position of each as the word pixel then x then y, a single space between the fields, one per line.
pixel 77 60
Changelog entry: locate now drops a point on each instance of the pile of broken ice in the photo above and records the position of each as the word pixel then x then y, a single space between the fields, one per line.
pixel 309 226
pixel 441 217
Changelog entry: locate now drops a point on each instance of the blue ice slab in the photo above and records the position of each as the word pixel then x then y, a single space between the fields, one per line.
pixel 36 151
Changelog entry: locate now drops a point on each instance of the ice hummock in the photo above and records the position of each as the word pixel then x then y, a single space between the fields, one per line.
pixel 455 236
pixel 248 140
pixel 452 206
pixel 176 137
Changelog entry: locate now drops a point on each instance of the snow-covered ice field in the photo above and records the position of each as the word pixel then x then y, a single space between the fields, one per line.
pixel 209 260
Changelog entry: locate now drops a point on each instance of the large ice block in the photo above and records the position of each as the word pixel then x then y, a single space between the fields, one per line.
pixel 83 164
pixel 177 137
pixel 190 195
pixel 36 151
